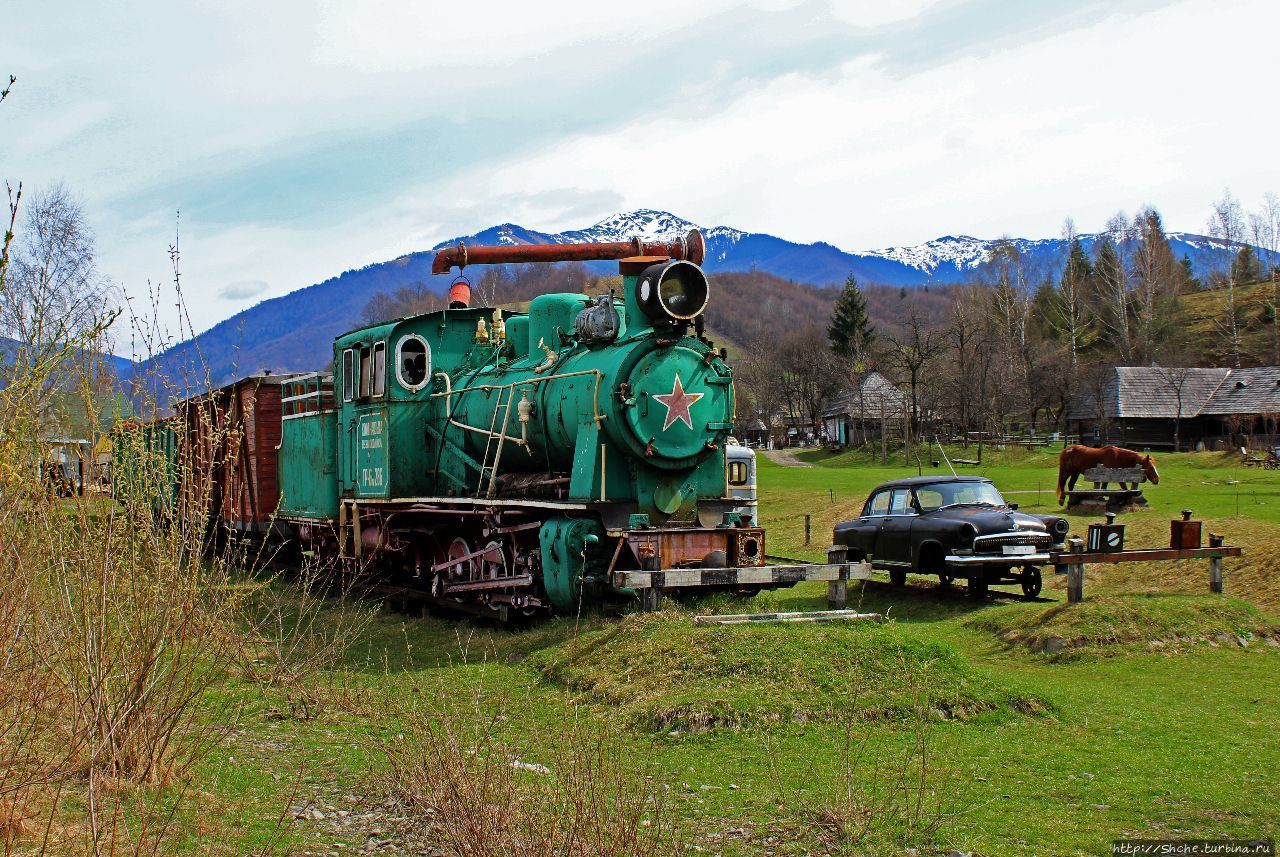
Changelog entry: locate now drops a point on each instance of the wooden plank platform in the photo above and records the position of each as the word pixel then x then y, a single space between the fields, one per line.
pixel 1065 558
pixel 771 618
pixel 1072 561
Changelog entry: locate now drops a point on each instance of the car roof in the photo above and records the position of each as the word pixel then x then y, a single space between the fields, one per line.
pixel 913 481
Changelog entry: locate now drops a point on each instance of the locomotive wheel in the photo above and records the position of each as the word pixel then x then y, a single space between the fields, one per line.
pixel 898 576
pixel 494 562
pixel 459 547
pixel 1031 581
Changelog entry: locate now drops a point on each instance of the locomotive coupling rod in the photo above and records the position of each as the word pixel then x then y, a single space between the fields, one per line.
pixel 690 248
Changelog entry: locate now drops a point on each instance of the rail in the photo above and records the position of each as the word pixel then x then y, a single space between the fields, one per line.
pixel 1072 561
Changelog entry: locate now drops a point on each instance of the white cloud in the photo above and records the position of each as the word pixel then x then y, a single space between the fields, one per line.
pixel 243 289
pixel 1123 112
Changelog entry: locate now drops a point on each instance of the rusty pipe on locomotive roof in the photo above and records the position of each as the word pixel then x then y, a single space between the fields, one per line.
pixel 689 248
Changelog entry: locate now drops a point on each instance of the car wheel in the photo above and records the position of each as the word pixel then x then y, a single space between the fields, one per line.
pixel 978 587
pixel 1031 581
pixel 898 576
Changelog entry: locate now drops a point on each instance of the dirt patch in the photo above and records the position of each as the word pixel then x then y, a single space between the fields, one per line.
pixel 784 457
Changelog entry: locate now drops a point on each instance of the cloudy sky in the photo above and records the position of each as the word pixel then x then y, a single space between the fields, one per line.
pixel 300 138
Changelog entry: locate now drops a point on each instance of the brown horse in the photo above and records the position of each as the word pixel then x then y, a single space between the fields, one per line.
pixel 1076 459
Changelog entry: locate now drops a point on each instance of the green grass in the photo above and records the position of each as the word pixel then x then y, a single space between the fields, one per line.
pixel 753 726
pixel 664 673
pixel 1119 624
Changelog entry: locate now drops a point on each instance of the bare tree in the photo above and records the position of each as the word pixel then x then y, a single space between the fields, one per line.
pixel 1264 226
pixel 967 342
pixel 413 299
pixel 1175 379
pixel 908 355
pixel 810 373
pixel 53 292
pixel 1226 223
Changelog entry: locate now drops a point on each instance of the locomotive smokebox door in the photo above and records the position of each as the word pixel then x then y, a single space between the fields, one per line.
pixel 1185 533
pixel 1104 538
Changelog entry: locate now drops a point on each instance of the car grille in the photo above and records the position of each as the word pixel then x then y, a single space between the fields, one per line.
pixel 993 544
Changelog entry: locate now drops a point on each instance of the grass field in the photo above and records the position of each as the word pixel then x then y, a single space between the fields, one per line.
pixel 945 728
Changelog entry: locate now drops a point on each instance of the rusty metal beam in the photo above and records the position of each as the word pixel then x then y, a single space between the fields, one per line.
pixel 690 248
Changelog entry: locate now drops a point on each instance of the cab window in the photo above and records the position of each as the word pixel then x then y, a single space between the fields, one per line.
pixel 737 473
pixel 879 504
pixel 348 376
pixel 900 502
pixel 366 376
pixel 379 368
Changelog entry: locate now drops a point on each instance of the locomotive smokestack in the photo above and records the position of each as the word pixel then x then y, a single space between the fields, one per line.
pixel 690 248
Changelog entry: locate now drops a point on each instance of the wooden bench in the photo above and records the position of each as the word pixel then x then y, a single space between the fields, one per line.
pixel 1105 498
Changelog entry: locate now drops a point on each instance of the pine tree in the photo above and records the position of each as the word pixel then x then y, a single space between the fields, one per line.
pixel 851 333
pixel 1245 267
pixel 1190 281
pixel 1064 308
pixel 1109 288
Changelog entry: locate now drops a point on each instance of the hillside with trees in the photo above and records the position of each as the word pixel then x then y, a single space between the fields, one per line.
pixel 1018 343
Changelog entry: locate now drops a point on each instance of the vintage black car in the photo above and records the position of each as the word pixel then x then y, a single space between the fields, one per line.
pixel 951 526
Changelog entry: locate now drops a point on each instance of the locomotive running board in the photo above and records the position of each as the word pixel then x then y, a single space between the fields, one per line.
pixel 650 584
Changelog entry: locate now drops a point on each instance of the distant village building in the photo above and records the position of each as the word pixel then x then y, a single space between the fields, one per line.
pixel 872 405
pixel 1144 406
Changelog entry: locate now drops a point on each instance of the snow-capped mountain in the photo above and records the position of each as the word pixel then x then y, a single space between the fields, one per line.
pixel 949 259
pixel 295 332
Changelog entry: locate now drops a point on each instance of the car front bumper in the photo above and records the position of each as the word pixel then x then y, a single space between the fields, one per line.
pixel 970 560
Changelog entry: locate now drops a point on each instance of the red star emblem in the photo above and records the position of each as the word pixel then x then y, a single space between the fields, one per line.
pixel 677 403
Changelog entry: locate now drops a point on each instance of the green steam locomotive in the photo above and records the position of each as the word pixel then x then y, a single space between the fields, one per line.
pixel 518 463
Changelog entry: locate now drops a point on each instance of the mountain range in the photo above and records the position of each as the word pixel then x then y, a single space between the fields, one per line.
pixel 295 332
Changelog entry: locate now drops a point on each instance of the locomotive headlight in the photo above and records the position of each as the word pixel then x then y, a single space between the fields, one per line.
pixel 672 290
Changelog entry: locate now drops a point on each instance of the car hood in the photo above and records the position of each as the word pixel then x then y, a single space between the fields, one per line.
pixel 987 520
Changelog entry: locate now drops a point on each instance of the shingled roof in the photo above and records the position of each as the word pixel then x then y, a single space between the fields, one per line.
pixel 1247 391
pixel 879 398
pixel 1150 392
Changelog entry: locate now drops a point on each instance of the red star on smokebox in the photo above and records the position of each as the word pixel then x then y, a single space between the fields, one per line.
pixel 678 403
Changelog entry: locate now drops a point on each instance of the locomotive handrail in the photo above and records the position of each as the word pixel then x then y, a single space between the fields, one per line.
pixel 502 436
pixel 596 415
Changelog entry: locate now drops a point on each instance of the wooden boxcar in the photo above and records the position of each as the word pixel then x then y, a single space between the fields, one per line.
pixel 231 438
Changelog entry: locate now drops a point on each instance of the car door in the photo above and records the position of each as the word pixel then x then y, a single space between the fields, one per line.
pixel 893 538
pixel 868 524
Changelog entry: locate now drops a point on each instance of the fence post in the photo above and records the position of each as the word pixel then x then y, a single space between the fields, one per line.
pixel 837 590
pixel 806 529
pixel 1215 565
pixel 1075 572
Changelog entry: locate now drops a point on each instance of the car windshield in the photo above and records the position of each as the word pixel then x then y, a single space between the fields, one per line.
pixel 942 494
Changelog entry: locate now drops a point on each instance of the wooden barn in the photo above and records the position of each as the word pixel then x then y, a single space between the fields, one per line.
pixel 1201 408
pixel 870 406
